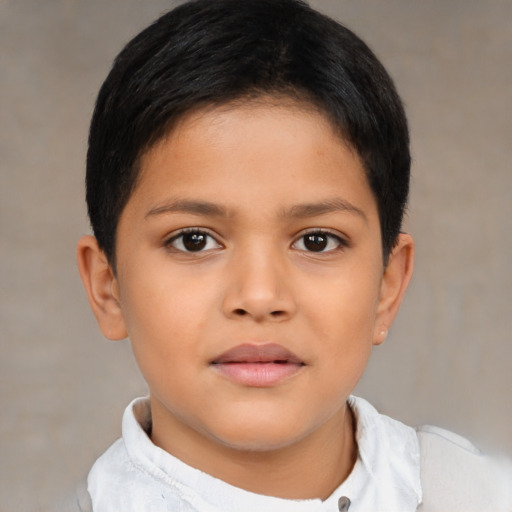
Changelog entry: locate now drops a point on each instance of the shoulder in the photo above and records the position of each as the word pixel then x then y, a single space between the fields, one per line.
pixel 117 482
pixel 132 474
pixel 110 475
pixel 456 476
pixel 83 498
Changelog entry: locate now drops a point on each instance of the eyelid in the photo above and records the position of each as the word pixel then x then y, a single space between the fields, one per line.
pixel 175 235
pixel 340 238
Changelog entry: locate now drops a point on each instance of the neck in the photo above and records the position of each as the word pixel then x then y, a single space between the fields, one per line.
pixel 312 467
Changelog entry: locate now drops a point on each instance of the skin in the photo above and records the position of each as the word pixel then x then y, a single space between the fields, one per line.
pixel 254 179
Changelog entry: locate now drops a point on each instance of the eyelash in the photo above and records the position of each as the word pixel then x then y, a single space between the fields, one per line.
pixel 190 231
pixel 340 242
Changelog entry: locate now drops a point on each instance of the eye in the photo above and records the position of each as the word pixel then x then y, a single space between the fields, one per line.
pixel 319 241
pixel 193 240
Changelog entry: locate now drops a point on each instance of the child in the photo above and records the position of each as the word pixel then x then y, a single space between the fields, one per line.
pixel 247 174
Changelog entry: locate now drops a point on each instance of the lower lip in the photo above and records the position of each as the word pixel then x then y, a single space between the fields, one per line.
pixel 259 375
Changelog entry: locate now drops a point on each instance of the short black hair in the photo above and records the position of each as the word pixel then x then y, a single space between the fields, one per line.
pixel 213 52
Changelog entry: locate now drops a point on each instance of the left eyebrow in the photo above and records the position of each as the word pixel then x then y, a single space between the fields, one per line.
pixel 192 207
pixel 323 207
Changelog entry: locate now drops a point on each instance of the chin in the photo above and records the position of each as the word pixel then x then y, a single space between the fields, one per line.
pixel 258 437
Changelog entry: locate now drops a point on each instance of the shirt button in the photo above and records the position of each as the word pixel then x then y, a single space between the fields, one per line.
pixel 343 504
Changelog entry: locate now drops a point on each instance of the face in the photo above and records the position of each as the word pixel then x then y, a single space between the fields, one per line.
pixel 250 276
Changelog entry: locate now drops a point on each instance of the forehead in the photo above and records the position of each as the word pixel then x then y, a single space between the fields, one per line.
pixel 264 153
pixel 262 111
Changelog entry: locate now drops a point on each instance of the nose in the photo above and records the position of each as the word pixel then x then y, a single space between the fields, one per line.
pixel 259 287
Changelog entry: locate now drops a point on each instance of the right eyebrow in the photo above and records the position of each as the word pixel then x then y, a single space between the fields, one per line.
pixel 192 207
pixel 324 207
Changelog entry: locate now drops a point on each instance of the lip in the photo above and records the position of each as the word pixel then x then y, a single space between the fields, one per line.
pixel 258 365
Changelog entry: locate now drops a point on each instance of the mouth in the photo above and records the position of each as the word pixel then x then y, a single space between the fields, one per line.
pixel 258 365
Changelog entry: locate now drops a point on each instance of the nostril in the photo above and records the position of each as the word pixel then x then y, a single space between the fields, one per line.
pixel 240 312
pixel 277 314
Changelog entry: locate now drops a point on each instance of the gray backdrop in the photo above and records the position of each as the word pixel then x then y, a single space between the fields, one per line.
pixel 448 359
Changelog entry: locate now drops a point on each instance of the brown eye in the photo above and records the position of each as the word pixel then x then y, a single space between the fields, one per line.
pixel 315 242
pixel 319 241
pixel 192 241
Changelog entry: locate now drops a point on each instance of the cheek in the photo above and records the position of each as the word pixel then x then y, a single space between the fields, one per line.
pixel 171 316
pixel 344 304
pixel 161 298
pixel 342 314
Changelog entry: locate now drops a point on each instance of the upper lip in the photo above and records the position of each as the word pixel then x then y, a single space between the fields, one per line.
pixel 258 353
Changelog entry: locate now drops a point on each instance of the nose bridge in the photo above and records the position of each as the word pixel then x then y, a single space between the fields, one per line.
pixel 258 283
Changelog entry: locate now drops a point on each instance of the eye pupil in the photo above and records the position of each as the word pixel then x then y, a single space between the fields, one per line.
pixel 194 241
pixel 315 242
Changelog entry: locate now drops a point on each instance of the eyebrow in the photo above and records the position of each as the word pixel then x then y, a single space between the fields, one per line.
pixel 323 207
pixel 189 206
pixel 206 208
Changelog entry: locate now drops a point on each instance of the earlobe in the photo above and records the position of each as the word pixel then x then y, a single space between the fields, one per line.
pixel 395 280
pixel 101 287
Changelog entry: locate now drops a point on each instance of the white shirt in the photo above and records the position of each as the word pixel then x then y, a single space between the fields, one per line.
pixel 134 475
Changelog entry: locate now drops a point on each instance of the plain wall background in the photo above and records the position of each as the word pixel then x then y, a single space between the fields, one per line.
pixel 448 359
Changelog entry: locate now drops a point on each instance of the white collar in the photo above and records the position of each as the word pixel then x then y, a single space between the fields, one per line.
pixel 386 476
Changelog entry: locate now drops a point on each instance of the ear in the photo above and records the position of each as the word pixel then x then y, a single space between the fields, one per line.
pixel 101 286
pixel 395 280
